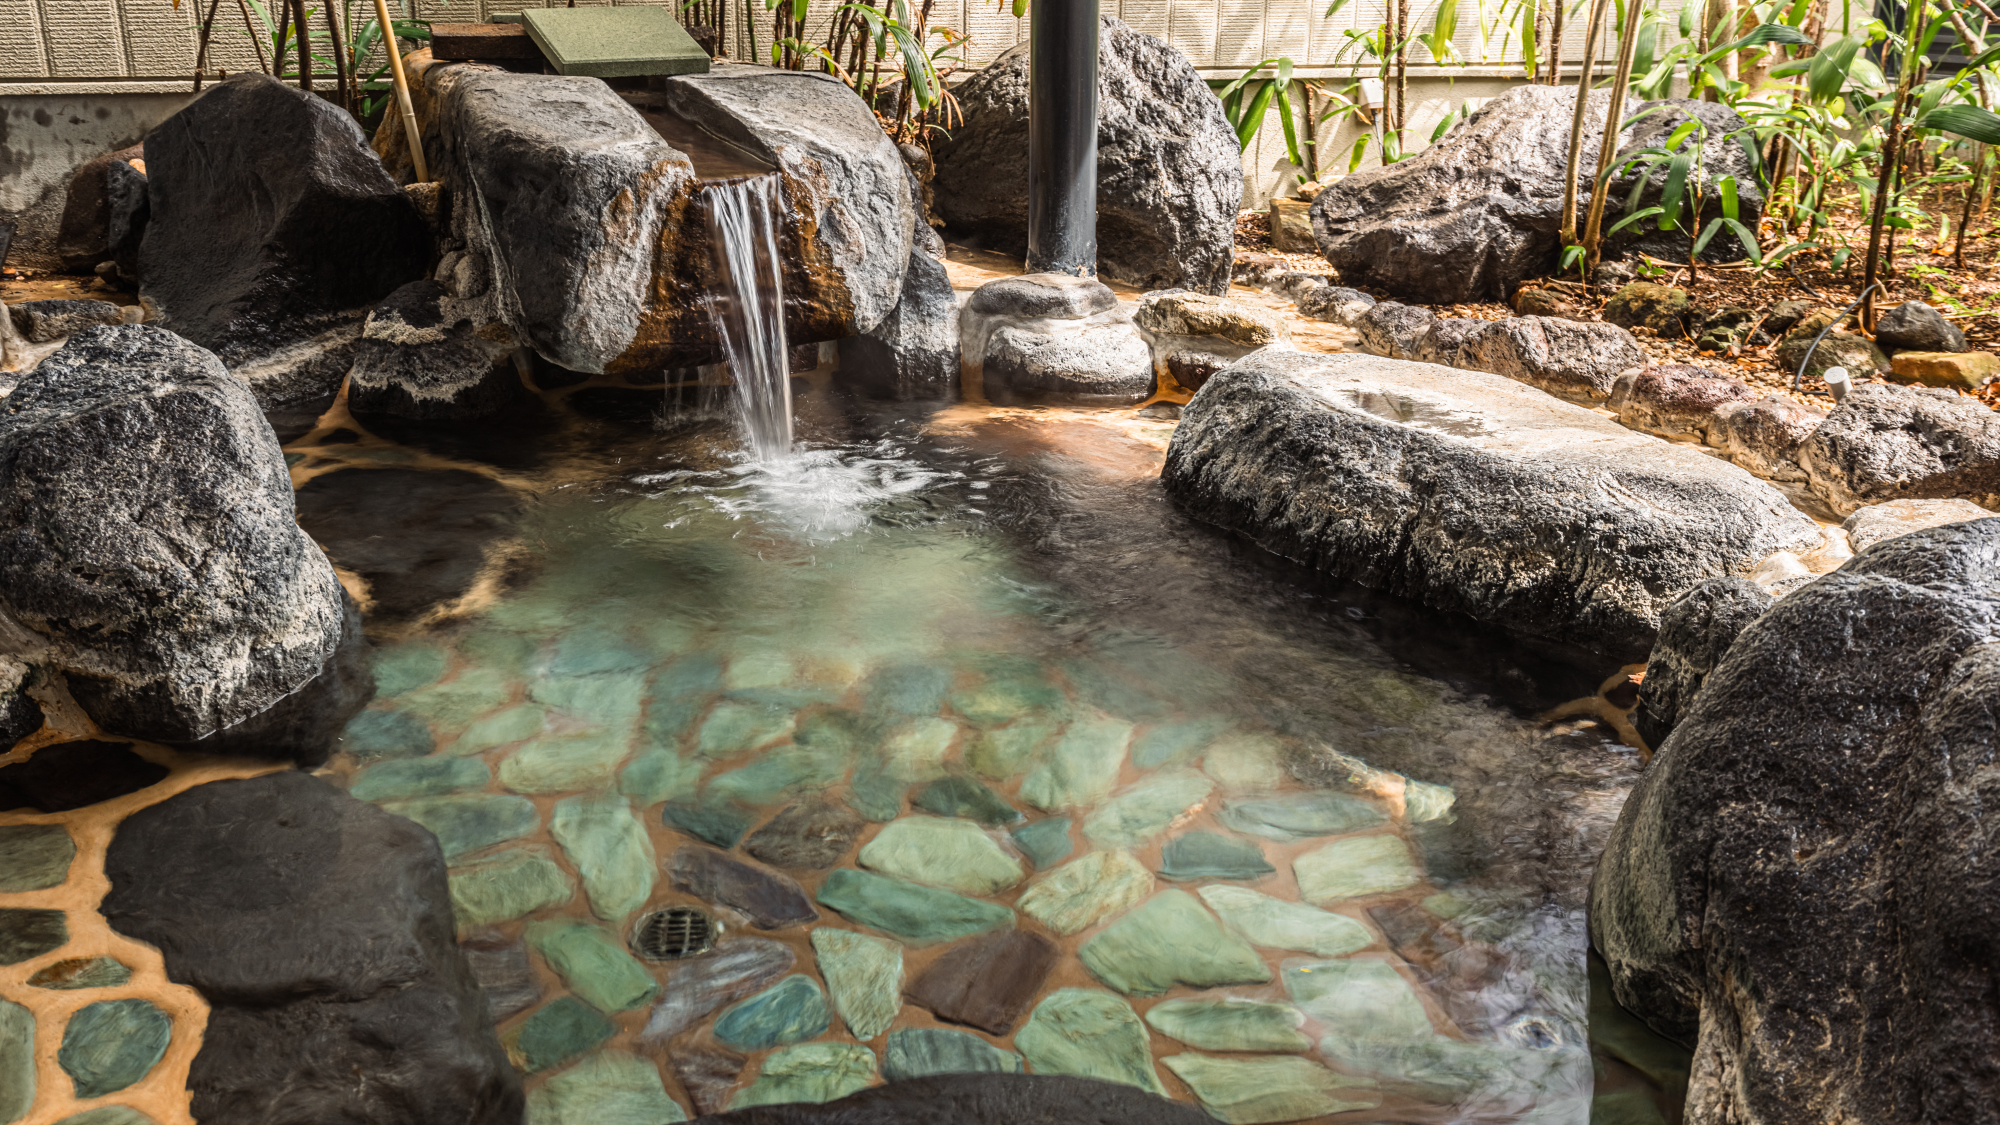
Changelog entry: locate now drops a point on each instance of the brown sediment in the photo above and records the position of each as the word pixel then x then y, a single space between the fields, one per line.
pixel 1601 708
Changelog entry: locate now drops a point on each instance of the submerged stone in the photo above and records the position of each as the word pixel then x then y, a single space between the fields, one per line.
pixel 735 727
pixel 738 967
pixel 989 981
pixel 515 724
pixel 809 836
pixel 17 1061
pixel 103 1115
pixel 659 774
pixel 1433 1068
pixel 607 1088
pixel 468 823
pixel 593 963
pixel 1365 865
pixel 455 703
pixel 809 1072
pixel 877 792
pixel 111 1044
pixel 708 1074
pixel 718 823
pixel 791 1010
pixel 1080 893
pixel 917 915
pixel 1089 1034
pixel 34 857
pixel 1205 855
pixel 566 763
pixel 27 933
pixel 919 1052
pixel 786 770
pixel 1175 743
pixel 1147 809
pixel 419 777
pixel 770 900
pixel 1245 763
pixel 1230 1025
pixel 1045 842
pixel 557 1032
pixel 1081 767
pixel 1365 999
pixel 403 668
pixel 865 976
pixel 1256 1091
pixel 509 885
pixel 908 689
pixel 1297 816
pixel 967 798
pixel 374 735
pixel 947 853
pixel 1278 924
pixel 81 972
pixel 1002 754
pixel 1170 940
pixel 917 751
pixel 609 849
pixel 1006 694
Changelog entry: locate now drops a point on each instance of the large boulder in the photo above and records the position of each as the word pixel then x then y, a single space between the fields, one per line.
pixel 913 353
pixel 150 548
pixel 319 931
pixel 97 189
pixel 1573 359
pixel 1804 886
pixel 1887 442
pixel 424 353
pixel 1471 493
pixel 1696 630
pixel 1721 153
pixel 1052 337
pixel 1169 168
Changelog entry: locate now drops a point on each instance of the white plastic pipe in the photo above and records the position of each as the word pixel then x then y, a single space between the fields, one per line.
pixel 1837 382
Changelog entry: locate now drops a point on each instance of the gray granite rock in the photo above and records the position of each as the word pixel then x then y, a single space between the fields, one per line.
pixel 1696 630
pixel 42 322
pixel 912 354
pixel 1886 442
pixel 1765 436
pixel 1917 327
pixel 1878 522
pixel 1678 400
pixel 1571 359
pixel 1394 330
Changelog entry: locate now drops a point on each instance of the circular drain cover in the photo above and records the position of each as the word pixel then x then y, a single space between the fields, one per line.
pixel 674 933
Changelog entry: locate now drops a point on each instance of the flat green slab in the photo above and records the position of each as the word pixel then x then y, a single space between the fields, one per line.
pixel 610 850
pixel 34 857
pixel 1077 895
pixel 1279 924
pixel 1170 940
pixel 809 1072
pixel 607 1088
pixel 943 852
pixel 919 1052
pixel 17 1061
pixel 1353 868
pixel 109 1045
pixel 1231 1025
pixel 593 963
pixel 1090 1034
pixel 1262 1090
pixel 865 976
pixel 917 915
pixel 515 882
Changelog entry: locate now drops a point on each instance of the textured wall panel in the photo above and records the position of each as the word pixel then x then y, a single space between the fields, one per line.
pixel 21 54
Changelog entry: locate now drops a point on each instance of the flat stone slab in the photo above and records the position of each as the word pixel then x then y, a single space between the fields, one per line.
pixel 791 1010
pixel 606 1088
pixel 1145 810
pixel 1363 865
pixel 470 822
pixel 965 797
pixel 594 964
pixel 1205 855
pixel 28 932
pixel 1045 842
pixel 1077 895
pixel 557 1032
pixel 809 836
pixel 989 981
pixel 771 901
pixel 1090 1034
pixel 1169 940
pixel 17 1060
pixel 738 967
pixel 1365 999
pixel 917 915
pixel 34 857
pixel 419 777
pixel 81 972
pixel 1231 1025
pixel 809 1072
pixel 919 1052
pixel 614 42
pixel 865 976
pixel 111 1044
pixel 1280 924
pixel 1081 767
pixel 1255 1091
pixel 943 852
pixel 609 849
pixel 1298 816
pixel 509 885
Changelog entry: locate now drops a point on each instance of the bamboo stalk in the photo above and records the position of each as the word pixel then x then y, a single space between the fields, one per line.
pixel 201 53
pixel 1556 47
pixel 1614 114
pixel 1590 35
pixel 305 45
pixel 1892 151
pixel 254 40
pixel 339 58
pixel 410 131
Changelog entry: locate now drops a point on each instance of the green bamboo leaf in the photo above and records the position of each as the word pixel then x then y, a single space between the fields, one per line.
pixel 1292 152
pixel 1676 186
pixel 1748 238
pixel 1725 186
pixel 1968 121
pixel 1444 27
pixel 1763 35
pixel 1700 244
pixel 1253 117
pixel 1360 151
pixel 1827 74
pixel 1687 17
pixel 1632 218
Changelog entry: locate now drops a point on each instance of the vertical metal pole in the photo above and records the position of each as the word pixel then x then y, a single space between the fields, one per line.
pixel 1062 137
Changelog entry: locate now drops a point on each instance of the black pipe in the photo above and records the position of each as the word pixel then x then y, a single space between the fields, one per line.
pixel 1062 137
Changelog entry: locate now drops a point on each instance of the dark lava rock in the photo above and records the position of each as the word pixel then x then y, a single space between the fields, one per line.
pixel 1916 327
pixel 318 929
pixel 421 355
pixel 1394 330
pixel 1696 630
pixel 84 238
pixel 987 982
pixel 1784 315
pixel 70 775
pixel 1804 885
pixel 1721 154
pixel 1043 296
pixel 980 1099
pixel 20 716
pixel 419 538
pixel 43 322
pixel 1571 359
pixel 1679 400
pixel 809 836
pixel 1765 436
pixel 1858 354
pixel 1726 328
pixel 329 233
pixel 1661 308
pixel 1887 442
pixel 708 1073
pixel 1169 168
pixel 27 933
pixel 1449 341
pixel 1470 493
pixel 913 354
pixel 150 541
pixel 772 901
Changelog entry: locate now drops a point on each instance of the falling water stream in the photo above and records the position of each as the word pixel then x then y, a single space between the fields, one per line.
pixel 749 304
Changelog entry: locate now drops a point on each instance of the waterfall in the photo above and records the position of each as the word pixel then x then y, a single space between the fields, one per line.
pixel 749 306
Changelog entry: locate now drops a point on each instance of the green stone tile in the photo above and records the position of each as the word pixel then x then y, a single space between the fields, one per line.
pixel 719 823
pixel 593 963
pixel 1423 801
pixel 1205 855
pixel 419 777
pixel 1297 816
pixel 590 652
pixel 1145 810
pixel 34 857
pixel 788 1011
pixel 1432 1068
pixel 779 773
pixel 27 933
pixel 455 703
pixel 557 1032
pixel 1230 1025
pixel 1278 924
pixel 613 699
pixel 955 854
pixel 496 647
pixel 1081 767
pixel 1170 939
pixel 1045 842
pixel 877 792
pixel 1366 999
pixel 919 1052
pixel 614 42
pixel 1007 693
pixel 1079 894
pixel 1363 865
pixel 1090 1034
pixel 17 1061
pixel 967 798
pixel 916 751
pixel 610 850
pixel 1256 1091
pixel 758 670
pixel 865 977
pixel 1246 763
pixel 606 1088
pixel 404 668
pixel 809 1072
pixel 111 1044
pixel 106 1115
pixel 515 724
pixel 732 728
pixel 837 731
pixel 1005 753
pixel 470 822
pixel 509 885
pixel 659 774
pixel 374 735
pixel 907 689
pixel 567 763
pixel 1175 743
pixel 81 972
pixel 917 915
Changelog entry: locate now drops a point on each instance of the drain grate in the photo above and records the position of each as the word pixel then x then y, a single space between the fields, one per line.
pixel 674 933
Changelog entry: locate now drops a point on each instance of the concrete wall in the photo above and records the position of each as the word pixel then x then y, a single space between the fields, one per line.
pixel 43 138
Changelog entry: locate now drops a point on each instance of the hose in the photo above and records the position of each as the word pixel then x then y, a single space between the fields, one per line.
pixel 1799 375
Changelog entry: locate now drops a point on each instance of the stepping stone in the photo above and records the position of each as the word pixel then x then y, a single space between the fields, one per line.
pixel 82 972
pixel 1230 1025
pixel 72 775
pixel 567 763
pixel 919 1052
pixel 111 1044
pixel 809 836
pixel 1079 894
pixel 374 735
pixel 614 42
pixel 967 798
pixel 718 823
pixel 733 728
pixel 515 724
pixel 1090 1034
pixel 1175 743
pixel 105 1115
pixel 557 1032
pixel 34 857
pixel 419 777
pixel 509 885
pixel 607 1088
pixel 1365 999
pixel 778 773
pixel 865 976
pixel 1255 1091
pixel 1045 842
pixel 26 933
pixel 454 704
pixel 1170 940
pixel 917 751
pixel 771 901
pixel 470 822
pixel 957 854
pixel 659 774
pixel 594 964
pixel 695 988
pixel 1081 768
pixel 917 915
pixel 1278 924
pixel 1205 855
pixel 1364 865
pixel 501 968
pixel 1298 816
pixel 810 1072
pixel 402 668
pixel 17 1061
pixel 708 1074
pixel 609 849
pixel 791 1010
pixel 1147 809
pixel 1003 754
pixel 987 982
